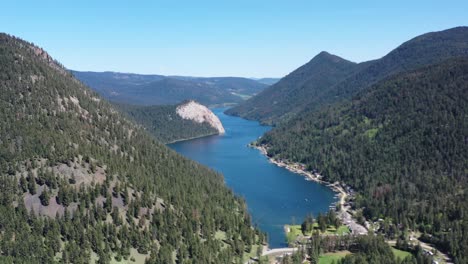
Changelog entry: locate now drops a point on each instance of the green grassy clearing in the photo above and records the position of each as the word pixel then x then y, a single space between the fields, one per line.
pixel 400 253
pixel 328 258
pixel 295 231
pixel 342 230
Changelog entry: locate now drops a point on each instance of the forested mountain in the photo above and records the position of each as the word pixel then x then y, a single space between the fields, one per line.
pixel 276 103
pixel 236 85
pixel 157 89
pixel 294 92
pixel 80 183
pixel 163 122
pixel 403 145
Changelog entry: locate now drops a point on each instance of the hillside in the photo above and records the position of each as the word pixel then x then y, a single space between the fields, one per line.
pixel 268 81
pixel 402 144
pixel 80 183
pixel 237 85
pixel 164 122
pixel 293 93
pixel 162 90
pixel 276 103
pixel 420 51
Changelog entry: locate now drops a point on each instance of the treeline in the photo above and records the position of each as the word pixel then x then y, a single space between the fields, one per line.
pixel 361 250
pixel 402 145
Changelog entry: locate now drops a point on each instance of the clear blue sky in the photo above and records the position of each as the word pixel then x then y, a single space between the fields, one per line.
pixel 221 38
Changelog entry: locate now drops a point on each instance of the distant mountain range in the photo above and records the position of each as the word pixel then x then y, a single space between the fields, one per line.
pixel 142 89
pixel 328 78
pixel 267 81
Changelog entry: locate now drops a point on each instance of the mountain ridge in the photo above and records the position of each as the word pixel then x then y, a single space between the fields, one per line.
pixel 148 89
pixel 401 144
pixel 422 50
pixel 306 81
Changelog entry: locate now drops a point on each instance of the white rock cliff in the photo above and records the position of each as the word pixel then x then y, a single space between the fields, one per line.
pixel 199 113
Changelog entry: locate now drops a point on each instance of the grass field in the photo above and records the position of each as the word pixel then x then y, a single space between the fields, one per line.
pixel 328 258
pixel 342 230
pixel 295 231
pixel 400 253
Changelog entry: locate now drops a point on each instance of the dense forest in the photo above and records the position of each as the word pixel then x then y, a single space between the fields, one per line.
pixel 142 89
pixel 81 183
pixel 165 124
pixel 402 144
pixel 327 79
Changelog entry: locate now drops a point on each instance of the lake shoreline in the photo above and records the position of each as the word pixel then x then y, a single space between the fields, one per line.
pixel 243 168
pixel 336 187
pixel 187 139
pixel 298 168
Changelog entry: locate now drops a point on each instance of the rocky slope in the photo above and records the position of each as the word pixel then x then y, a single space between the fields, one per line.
pixel 199 113
pixel 167 125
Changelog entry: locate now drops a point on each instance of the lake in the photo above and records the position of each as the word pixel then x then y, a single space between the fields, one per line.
pixel 274 195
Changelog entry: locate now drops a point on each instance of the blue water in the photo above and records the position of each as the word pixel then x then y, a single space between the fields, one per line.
pixel 274 195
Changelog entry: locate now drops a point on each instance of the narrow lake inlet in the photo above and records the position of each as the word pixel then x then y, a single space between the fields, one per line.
pixel 274 195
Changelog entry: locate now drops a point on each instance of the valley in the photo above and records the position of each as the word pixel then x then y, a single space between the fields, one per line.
pixel 139 89
pixel 275 196
pixel 174 142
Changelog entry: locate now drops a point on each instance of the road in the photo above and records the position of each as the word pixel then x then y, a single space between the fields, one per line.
pixel 425 246
pixel 274 252
pixel 428 247
pixel 279 251
pixel 346 218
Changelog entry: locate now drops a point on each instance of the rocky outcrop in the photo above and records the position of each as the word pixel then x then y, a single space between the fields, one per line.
pixel 42 54
pixel 199 113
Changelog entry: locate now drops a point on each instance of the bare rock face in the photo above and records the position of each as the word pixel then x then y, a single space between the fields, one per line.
pixel 200 113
